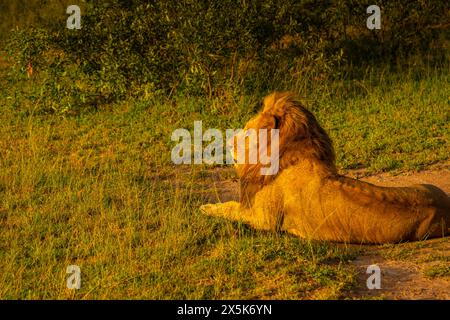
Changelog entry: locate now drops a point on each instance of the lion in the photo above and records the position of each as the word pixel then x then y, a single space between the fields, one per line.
pixel 309 199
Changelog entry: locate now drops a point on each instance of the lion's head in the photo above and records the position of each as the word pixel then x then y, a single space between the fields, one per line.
pixel 300 137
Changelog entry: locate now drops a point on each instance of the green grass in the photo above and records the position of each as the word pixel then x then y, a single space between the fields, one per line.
pixel 98 190
pixel 440 270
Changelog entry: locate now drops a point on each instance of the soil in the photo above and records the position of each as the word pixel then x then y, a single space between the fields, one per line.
pixel 404 276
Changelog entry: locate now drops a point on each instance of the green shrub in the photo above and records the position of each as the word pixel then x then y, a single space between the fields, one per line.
pixel 215 48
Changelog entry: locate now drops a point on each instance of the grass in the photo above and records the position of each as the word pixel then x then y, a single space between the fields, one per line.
pixel 441 270
pixel 98 190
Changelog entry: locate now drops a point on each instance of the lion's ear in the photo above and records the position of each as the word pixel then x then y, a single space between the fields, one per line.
pixel 277 122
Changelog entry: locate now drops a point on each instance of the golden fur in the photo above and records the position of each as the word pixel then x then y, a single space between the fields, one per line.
pixel 308 198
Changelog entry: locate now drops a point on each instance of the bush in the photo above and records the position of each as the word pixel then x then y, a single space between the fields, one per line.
pixel 215 47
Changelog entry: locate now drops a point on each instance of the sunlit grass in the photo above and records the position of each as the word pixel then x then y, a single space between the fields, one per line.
pixel 98 190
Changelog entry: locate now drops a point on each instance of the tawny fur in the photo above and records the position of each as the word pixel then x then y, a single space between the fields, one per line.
pixel 308 198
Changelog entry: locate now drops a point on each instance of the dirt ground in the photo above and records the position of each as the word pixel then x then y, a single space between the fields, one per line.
pixel 418 270
pixel 405 271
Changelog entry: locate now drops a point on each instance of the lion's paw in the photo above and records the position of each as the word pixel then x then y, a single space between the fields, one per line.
pixel 208 209
pixel 220 209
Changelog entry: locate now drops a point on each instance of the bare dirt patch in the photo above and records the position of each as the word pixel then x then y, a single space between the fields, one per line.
pixel 405 271
pixel 439 178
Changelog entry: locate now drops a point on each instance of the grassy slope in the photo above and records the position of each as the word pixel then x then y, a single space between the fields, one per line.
pixel 98 190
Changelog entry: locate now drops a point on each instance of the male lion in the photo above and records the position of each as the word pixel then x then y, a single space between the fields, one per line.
pixel 308 198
